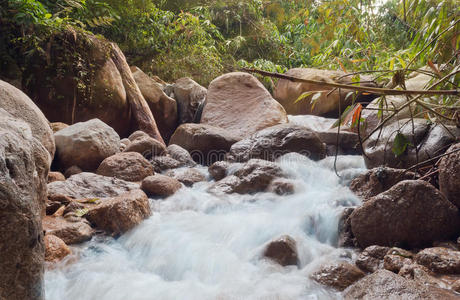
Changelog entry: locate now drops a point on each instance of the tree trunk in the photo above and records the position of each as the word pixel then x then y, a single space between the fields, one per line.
pixel 141 111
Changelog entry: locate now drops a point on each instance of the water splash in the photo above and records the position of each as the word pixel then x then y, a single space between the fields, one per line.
pixel 200 246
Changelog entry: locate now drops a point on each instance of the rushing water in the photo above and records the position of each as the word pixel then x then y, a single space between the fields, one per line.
pixel 200 246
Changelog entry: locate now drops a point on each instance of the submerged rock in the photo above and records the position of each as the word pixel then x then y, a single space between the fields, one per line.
pixel 282 251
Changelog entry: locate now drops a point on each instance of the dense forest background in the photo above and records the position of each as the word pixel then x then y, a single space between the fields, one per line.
pixel 203 39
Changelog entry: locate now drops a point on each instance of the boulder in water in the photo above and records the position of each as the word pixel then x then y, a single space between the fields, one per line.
pixel 205 143
pixel 275 141
pixel 55 249
pixel 411 214
pixel 338 275
pixel 188 176
pixel 160 185
pixel 129 166
pixel 70 231
pixel 282 251
pixel 120 214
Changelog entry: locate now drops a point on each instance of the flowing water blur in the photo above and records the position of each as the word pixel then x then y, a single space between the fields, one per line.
pixel 200 246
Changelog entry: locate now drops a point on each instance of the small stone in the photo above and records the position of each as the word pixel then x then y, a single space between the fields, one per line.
pixel 55 249
pixel 338 275
pixel 73 170
pixel 187 176
pixel 371 259
pixel 160 185
pixel 69 232
pixel 55 176
pixel 218 170
pixel 129 166
pixel 283 251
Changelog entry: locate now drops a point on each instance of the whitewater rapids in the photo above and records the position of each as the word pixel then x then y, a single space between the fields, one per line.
pixel 200 246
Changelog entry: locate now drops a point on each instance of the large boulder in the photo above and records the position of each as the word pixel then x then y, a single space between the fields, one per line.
pixel 205 143
pixel 88 185
pixel 239 103
pixel 86 144
pixel 120 214
pixel 24 166
pixel 411 214
pixel 449 175
pixel 384 284
pixel 78 81
pixel 129 166
pixel 20 106
pixel 276 141
pixel 189 96
pixel 287 92
pixel 164 108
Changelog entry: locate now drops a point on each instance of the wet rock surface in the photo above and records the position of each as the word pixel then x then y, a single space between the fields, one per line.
pixel 339 275
pixel 282 251
pixel 449 175
pixel 129 166
pixel 412 213
pixel 160 185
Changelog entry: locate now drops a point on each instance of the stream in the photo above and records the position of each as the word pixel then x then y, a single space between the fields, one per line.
pixel 197 245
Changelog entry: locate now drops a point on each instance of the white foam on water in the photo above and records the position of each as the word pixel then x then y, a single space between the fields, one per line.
pixel 201 246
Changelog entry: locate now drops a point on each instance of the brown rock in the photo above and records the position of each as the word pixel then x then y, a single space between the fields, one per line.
pixel 101 93
pixel 73 170
pixel 120 214
pixel 440 260
pixel 338 275
pixel 20 106
pixel 86 144
pixel 227 185
pixel 56 126
pixel 205 143
pixel 371 259
pixel 384 284
pixel 189 96
pixel 218 170
pixel 287 92
pixel 124 143
pixel 88 185
pixel 129 166
pixel 55 248
pixel 456 286
pixel 395 262
pixel 346 238
pixel 24 166
pixel 378 180
pixel 181 155
pixel 69 232
pixel 412 213
pixel 256 175
pixel 160 185
pixel 147 146
pixel 55 176
pixel 164 108
pixel 282 251
pixel 449 175
pixel 239 103
pixel 187 176
pixel 276 141
pixel 163 163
